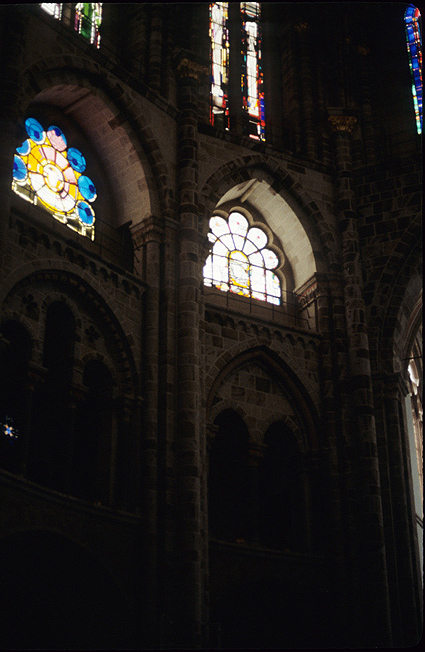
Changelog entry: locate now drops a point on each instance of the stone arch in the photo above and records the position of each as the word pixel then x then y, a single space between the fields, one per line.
pixel 256 175
pixel 87 293
pixel 101 107
pixel 302 403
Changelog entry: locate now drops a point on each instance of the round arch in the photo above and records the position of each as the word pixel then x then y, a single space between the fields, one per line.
pixel 124 143
pixel 89 294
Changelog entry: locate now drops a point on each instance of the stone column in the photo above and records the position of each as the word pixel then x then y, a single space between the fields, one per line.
pixel 155 48
pixel 152 234
pixel 309 126
pixel 188 436
pixel 12 46
pixel 402 552
pixel 366 528
pixel 365 66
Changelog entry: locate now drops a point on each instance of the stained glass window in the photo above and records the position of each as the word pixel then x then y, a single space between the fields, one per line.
pixel 87 17
pixel 239 261
pixel 219 35
pixel 246 40
pixel 48 172
pixel 252 75
pixel 414 47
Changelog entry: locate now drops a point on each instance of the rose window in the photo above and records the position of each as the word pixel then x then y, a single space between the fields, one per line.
pixel 47 172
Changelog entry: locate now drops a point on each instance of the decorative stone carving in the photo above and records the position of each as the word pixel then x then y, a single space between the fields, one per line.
pixel 342 123
pixel 187 68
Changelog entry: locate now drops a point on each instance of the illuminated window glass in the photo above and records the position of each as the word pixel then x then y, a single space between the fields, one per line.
pixel 245 42
pixel 414 47
pixel 86 17
pixel 219 35
pixel 252 75
pixel 53 8
pixel 48 172
pixel 239 261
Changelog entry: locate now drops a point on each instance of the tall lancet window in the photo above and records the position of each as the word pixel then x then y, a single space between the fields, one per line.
pixel 219 35
pixel 252 75
pixel 412 18
pixel 240 42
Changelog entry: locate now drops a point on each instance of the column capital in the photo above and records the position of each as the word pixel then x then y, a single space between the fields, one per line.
pixel 302 27
pixel 150 229
pixel 187 68
pixel 342 123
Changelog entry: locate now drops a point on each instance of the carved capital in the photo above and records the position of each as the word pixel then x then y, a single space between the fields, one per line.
pixel 363 50
pixel 187 68
pixel 342 123
pixel 302 27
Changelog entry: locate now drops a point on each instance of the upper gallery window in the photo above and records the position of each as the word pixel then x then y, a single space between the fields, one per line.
pixel 85 17
pixel 414 47
pixel 239 261
pixel 47 171
pixel 246 45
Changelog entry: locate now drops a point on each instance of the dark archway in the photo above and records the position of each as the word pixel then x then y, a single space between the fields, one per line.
pixel 280 493
pixel 54 595
pixel 15 353
pixel 51 416
pixel 92 438
pixel 228 483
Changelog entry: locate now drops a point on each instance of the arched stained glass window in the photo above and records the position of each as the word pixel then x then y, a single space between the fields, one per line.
pixel 84 17
pixel 244 47
pixel 414 47
pixel 239 261
pixel 48 172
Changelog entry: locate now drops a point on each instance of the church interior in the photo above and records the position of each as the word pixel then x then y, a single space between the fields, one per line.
pixel 211 325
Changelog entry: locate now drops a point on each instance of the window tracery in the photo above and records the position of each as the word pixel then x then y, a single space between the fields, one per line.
pixel 240 261
pixel 414 48
pixel 46 171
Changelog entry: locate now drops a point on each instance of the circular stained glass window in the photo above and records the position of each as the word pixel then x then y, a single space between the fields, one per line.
pixel 34 130
pixel 47 172
pixel 76 159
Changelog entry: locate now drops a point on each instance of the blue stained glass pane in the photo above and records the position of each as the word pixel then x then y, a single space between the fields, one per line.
pixel 19 169
pixel 24 149
pixel 34 130
pixel 87 188
pixel 76 159
pixel 85 213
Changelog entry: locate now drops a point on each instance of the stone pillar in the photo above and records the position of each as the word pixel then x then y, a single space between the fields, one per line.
pixel 152 234
pixel 155 48
pixel 332 372
pixel 309 126
pixel 367 126
pixel 366 528
pixel 189 614
pixel 402 552
pixel 12 46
